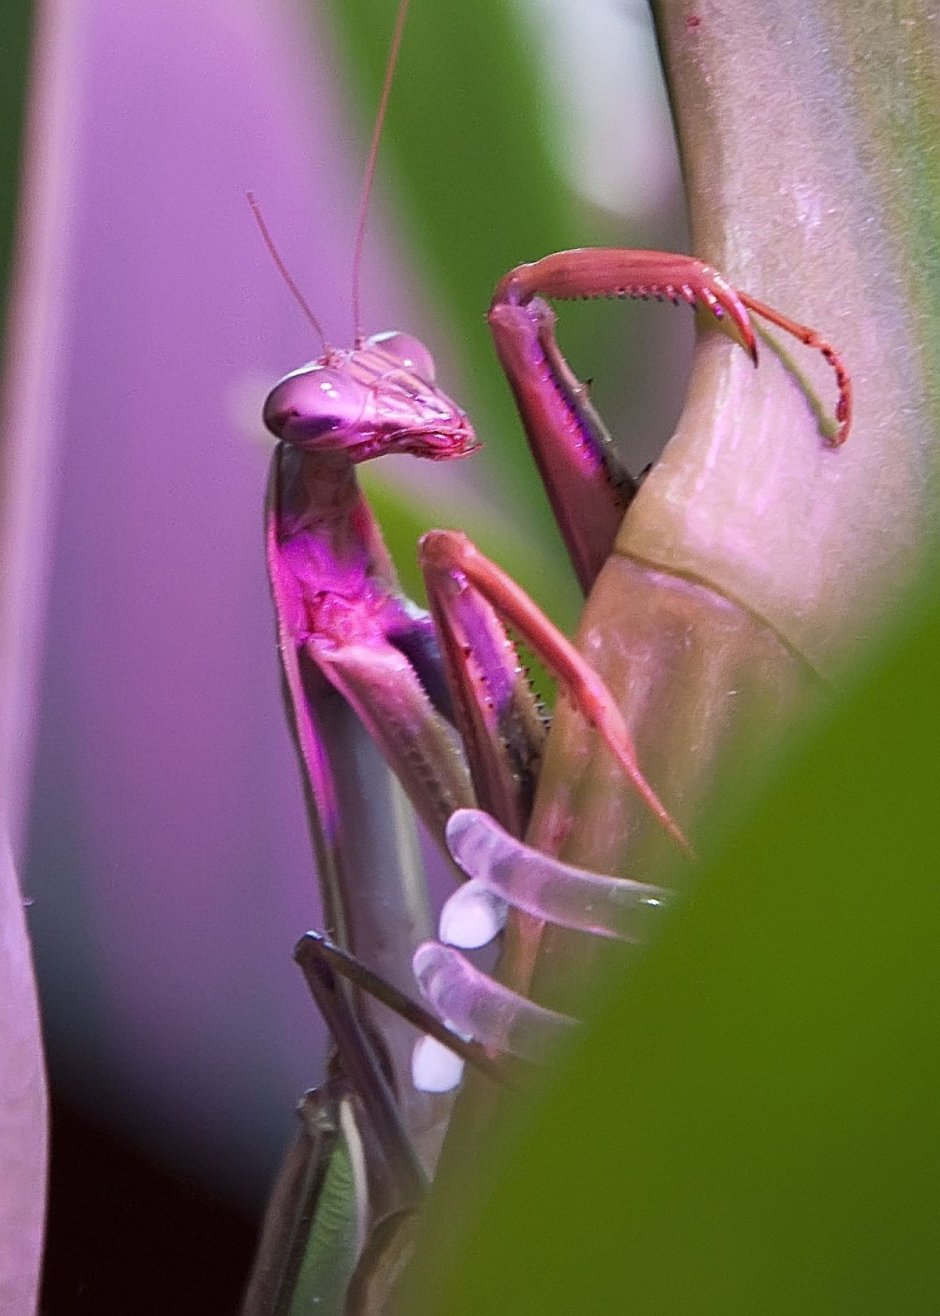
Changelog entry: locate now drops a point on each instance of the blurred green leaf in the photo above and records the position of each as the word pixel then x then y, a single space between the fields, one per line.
pixel 752 1125
pixel 330 1254
pixel 405 513
pixel 16 21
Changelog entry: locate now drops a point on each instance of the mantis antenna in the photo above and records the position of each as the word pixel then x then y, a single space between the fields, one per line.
pixel 284 272
pixel 370 169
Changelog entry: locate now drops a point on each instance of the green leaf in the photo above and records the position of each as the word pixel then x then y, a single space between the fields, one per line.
pixel 406 512
pixel 15 30
pixel 330 1255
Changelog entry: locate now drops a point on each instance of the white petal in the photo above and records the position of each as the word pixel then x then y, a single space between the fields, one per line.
pixel 477 1006
pixel 547 888
pixel 434 1067
pixel 472 916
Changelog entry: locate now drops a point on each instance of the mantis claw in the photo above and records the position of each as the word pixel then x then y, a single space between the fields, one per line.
pixel 620 272
pixel 623 272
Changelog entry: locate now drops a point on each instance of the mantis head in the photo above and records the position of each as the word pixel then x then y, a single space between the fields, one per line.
pixel 374 399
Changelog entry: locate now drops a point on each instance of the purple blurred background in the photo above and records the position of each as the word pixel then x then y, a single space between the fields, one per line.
pixel 166 851
pixel 168 858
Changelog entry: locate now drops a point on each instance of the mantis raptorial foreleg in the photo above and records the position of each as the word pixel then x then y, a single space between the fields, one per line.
pixel 588 488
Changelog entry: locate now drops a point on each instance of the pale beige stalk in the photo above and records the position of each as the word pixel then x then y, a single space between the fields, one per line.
pixel 30 430
pixel 756 560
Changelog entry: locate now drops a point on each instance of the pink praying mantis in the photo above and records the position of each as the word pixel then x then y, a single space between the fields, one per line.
pixel 443 695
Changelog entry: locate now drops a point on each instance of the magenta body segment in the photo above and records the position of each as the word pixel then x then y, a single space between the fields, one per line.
pixel 355 652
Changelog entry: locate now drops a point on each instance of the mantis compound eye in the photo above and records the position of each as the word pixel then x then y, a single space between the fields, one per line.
pixel 314 406
pixel 405 351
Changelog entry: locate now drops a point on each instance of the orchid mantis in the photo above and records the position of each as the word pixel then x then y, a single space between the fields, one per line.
pixel 444 695
pixel 344 625
pixel 413 680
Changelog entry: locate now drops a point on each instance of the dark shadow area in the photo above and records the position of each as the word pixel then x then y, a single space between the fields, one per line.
pixel 126 1235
